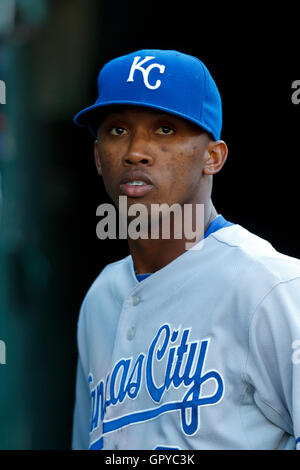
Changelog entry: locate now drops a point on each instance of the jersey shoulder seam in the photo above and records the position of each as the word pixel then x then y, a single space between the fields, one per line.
pixel 273 287
pixel 275 411
pixel 251 317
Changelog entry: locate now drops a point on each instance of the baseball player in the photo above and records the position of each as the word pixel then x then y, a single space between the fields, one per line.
pixel 181 348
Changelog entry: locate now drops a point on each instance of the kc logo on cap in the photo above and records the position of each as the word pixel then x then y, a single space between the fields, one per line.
pixel 136 65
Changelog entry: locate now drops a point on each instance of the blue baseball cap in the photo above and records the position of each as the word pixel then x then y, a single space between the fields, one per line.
pixel 167 80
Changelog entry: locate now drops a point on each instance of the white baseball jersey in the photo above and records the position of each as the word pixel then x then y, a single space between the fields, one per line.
pixel 202 354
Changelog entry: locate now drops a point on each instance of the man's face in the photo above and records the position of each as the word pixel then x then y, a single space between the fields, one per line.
pixel 168 154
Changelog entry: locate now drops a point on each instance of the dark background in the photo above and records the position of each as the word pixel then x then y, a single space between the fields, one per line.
pixel 50 55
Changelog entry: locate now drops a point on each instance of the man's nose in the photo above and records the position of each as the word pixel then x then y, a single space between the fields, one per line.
pixel 138 151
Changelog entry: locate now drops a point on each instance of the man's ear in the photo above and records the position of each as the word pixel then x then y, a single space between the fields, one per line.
pixel 97 157
pixel 216 156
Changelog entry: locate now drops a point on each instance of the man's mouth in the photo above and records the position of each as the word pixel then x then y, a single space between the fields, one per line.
pixel 135 187
pixel 136 183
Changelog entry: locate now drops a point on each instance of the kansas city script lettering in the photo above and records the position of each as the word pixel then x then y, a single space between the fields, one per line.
pixel 184 366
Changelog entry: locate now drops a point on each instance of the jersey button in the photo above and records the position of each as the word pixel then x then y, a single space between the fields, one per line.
pixel 131 333
pixel 135 300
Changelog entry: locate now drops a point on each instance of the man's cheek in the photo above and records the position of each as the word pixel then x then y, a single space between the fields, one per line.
pixel 110 186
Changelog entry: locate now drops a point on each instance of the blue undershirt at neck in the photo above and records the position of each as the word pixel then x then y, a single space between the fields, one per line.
pixel 216 224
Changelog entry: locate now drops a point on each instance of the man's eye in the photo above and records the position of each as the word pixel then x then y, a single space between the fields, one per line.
pixel 165 130
pixel 118 130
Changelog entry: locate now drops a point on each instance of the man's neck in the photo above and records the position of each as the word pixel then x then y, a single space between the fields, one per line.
pixel 150 255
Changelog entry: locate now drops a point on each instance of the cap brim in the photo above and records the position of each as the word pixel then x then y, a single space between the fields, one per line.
pixel 91 116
